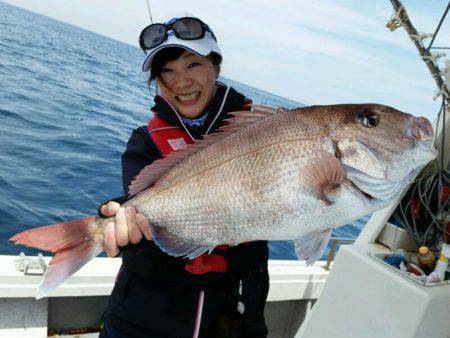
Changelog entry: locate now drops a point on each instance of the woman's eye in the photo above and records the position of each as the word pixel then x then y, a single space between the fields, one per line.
pixel 165 70
pixel 194 64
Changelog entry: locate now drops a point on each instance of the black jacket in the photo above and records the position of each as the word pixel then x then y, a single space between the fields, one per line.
pixel 155 296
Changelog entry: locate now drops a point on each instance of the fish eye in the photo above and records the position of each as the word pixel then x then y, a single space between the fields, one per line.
pixel 368 119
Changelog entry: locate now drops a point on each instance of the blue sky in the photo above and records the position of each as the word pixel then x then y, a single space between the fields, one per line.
pixel 315 52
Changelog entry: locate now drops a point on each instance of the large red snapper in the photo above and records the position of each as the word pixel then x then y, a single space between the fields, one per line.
pixel 269 175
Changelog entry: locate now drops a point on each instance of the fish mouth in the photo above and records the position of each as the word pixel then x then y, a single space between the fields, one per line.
pixel 427 147
pixel 422 153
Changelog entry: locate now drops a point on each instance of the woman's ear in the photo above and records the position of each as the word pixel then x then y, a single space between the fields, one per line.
pixel 158 81
pixel 217 70
pixel 161 87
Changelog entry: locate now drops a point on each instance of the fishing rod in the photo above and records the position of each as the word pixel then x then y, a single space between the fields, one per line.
pixel 149 12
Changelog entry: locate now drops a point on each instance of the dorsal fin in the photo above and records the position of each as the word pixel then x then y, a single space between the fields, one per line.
pixel 239 120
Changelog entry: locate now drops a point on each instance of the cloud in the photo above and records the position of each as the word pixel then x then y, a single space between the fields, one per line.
pixel 322 51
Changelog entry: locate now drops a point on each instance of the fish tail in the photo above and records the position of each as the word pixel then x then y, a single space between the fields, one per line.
pixel 72 244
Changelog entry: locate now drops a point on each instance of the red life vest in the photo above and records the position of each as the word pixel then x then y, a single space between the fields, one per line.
pixel 168 138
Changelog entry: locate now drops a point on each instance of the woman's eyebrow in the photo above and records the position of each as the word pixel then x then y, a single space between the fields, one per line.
pixel 188 55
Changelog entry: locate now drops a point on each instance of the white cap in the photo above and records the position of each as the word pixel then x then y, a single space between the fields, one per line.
pixel 202 47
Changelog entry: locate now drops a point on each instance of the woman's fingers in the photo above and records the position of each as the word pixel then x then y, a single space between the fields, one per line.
pixel 134 233
pixel 144 226
pixel 110 209
pixel 129 226
pixel 109 244
pixel 122 237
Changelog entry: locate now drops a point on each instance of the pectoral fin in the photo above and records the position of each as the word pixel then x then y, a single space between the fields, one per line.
pixel 324 176
pixel 311 246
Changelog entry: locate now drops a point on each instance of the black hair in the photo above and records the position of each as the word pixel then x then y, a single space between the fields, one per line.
pixel 171 54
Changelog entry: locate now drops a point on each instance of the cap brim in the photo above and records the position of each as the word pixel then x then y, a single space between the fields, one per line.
pixel 149 59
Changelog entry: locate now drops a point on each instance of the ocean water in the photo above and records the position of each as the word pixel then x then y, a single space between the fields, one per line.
pixel 69 99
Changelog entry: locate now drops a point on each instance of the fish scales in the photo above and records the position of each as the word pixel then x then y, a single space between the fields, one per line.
pixel 243 185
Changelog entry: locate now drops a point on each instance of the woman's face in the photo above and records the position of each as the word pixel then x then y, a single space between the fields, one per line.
pixel 188 83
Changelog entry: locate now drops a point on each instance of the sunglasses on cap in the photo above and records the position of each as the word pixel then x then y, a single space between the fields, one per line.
pixel 184 28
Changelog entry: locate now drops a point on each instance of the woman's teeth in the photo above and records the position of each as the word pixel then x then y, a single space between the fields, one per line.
pixel 188 97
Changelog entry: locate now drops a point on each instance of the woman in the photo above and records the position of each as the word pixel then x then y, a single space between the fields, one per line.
pixel 221 294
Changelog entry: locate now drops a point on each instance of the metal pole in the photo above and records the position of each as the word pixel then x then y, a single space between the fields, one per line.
pixel 427 57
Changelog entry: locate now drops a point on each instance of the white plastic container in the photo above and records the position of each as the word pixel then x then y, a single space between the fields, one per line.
pixel 364 297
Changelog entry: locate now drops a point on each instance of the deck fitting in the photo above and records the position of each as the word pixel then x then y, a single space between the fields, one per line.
pixel 31 266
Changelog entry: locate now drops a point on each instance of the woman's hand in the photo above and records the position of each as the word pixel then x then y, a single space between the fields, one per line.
pixel 128 227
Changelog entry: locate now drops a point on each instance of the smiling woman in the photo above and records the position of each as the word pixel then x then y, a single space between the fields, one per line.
pixel 218 294
pixel 186 79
